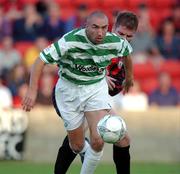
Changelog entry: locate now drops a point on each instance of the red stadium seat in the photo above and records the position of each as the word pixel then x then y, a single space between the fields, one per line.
pixel 144 70
pixel 172 67
pixel 2 1
pixel 149 85
pixel 166 13
pixel 114 4
pixel 164 3
pixel 135 3
pixel 22 46
pixel 156 21
pixel 66 13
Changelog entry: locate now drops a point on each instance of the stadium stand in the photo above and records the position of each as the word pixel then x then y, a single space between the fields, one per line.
pixel 172 67
pixel 164 3
pixel 144 71
pixel 149 84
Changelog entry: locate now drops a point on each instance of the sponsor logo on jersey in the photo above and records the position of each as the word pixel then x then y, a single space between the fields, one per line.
pixel 89 68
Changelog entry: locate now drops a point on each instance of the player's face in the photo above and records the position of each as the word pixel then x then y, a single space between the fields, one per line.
pixel 96 29
pixel 124 32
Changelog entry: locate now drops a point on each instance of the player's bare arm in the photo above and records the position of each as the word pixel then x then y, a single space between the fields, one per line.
pixel 129 74
pixel 30 97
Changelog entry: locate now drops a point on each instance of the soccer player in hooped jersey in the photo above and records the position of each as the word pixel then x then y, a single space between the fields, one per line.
pixel 82 91
pixel 125 26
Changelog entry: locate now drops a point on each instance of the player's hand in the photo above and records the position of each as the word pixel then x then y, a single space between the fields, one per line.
pixel 127 84
pixel 29 100
pixel 110 82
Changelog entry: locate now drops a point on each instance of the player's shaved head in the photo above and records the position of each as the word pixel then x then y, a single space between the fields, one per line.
pixel 96 14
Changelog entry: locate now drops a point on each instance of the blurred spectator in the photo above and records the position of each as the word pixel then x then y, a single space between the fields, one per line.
pixel 45 91
pixel 78 20
pixel 42 7
pixel 6 97
pixel 53 26
pixel 27 28
pixel 21 91
pixel 5 25
pixel 9 56
pixel 33 52
pixel 135 100
pixel 175 18
pixel 165 94
pixel 144 40
pixel 13 9
pixel 18 76
pixel 168 43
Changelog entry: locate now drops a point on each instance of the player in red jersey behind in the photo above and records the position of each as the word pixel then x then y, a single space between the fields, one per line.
pixel 116 70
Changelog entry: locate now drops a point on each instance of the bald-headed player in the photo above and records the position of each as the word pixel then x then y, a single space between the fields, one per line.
pixel 125 26
pixel 81 92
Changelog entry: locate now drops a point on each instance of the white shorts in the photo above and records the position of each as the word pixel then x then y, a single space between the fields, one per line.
pixel 73 100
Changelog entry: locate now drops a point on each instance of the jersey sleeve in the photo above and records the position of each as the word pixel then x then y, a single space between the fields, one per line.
pixel 125 49
pixel 53 53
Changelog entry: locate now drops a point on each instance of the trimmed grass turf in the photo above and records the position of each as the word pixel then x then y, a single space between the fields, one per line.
pixel 22 167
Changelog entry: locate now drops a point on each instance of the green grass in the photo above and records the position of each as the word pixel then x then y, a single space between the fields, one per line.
pixel 17 167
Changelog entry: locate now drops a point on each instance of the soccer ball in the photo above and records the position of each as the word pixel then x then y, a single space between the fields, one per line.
pixel 111 128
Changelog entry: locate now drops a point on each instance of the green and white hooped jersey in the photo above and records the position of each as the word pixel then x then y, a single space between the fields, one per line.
pixel 81 61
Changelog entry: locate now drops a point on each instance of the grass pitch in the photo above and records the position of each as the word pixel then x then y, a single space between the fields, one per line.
pixel 23 167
